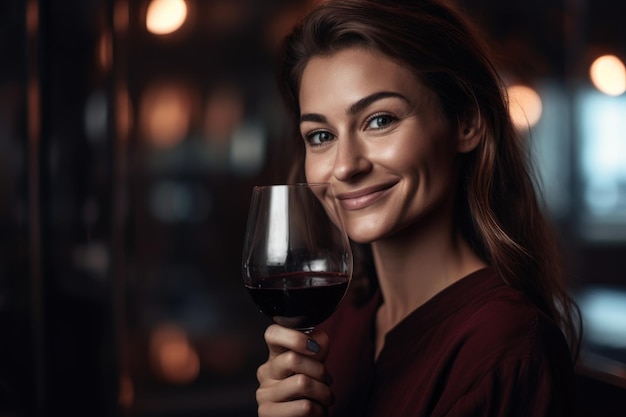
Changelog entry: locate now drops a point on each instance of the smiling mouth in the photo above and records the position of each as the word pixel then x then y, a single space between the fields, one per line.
pixel 363 198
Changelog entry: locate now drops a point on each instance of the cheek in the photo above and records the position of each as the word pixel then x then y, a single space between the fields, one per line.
pixel 309 171
pixel 401 156
pixel 431 152
pixel 427 168
pixel 315 170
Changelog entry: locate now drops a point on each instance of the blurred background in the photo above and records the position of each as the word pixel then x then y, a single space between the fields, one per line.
pixel 131 132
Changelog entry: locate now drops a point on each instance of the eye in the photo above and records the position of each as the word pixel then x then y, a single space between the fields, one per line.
pixel 380 121
pixel 318 137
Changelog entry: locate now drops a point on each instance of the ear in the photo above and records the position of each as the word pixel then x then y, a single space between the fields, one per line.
pixel 469 133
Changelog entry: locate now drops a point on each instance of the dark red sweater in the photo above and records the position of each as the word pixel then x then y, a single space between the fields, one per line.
pixel 478 348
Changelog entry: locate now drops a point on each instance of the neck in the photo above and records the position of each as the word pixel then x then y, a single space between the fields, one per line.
pixel 414 266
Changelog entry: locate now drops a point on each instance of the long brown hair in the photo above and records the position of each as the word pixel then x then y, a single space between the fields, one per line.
pixel 498 209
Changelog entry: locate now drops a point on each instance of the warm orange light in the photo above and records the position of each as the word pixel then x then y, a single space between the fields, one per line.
pixel 173 357
pixel 124 112
pixel 165 16
pixel 126 391
pixel 223 112
pixel 105 51
pixel 165 115
pixel 32 17
pixel 608 75
pixel 121 16
pixel 525 106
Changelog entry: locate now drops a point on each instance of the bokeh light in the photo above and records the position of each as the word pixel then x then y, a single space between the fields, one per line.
pixel 608 75
pixel 165 16
pixel 105 51
pixel 173 357
pixel 525 106
pixel 165 114
pixel 223 112
pixel 126 391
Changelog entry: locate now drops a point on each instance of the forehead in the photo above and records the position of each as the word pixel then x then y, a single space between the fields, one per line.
pixel 355 72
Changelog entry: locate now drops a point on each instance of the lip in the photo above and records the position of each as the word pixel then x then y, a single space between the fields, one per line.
pixel 364 197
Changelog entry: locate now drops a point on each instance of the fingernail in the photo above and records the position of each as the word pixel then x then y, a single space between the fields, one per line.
pixel 312 346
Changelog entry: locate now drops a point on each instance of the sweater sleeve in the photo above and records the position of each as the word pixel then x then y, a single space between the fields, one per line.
pixel 529 387
pixel 513 367
pixel 537 383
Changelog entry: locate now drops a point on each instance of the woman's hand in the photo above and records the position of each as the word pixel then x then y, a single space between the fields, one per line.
pixel 294 382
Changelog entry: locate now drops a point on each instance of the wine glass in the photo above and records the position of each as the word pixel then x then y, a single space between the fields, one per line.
pixel 297 261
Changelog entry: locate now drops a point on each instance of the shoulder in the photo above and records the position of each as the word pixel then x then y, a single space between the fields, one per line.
pixel 509 349
pixel 502 327
pixel 502 314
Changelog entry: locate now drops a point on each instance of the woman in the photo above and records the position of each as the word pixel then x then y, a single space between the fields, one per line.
pixel 467 313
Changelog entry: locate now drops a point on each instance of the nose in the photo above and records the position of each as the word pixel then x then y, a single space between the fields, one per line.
pixel 351 159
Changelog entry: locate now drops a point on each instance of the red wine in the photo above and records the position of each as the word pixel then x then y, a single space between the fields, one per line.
pixel 299 300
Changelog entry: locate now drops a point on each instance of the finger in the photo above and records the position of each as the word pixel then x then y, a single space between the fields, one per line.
pixel 288 363
pixel 298 408
pixel 321 339
pixel 280 339
pixel 296 387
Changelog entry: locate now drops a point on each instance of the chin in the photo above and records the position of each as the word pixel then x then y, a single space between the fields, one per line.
pixel 365 236
pixel 361 240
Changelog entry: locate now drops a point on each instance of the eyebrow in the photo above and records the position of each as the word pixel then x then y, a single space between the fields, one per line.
pixel 356 107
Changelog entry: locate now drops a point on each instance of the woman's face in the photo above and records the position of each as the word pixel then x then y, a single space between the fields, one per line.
pixel 376 134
